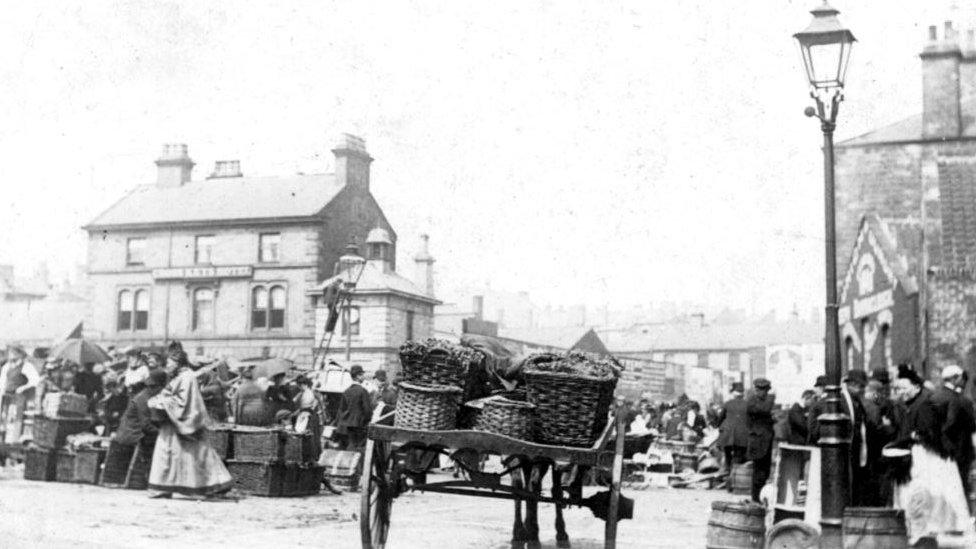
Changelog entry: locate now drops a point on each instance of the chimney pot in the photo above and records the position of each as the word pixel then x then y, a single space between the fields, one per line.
pixel 933 33
pixel 174 165
pixel 226 168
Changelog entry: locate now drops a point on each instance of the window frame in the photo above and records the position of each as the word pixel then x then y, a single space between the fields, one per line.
pixel 139 261
pixel 196 248
pixel 411 317
pixel 268 313
pixel 261 248
pixel 136 316
pixel 194 312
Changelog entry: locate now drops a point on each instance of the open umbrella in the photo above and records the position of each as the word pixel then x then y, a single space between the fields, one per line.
pixel 80 351
pixel 272 367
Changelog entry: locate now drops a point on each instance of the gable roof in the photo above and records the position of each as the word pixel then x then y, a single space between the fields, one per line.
pixel 898 254
pixel 591 343
pixel 222 199
pixel 906 130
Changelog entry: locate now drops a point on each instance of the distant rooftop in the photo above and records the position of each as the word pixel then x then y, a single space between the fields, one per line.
pixel 690 336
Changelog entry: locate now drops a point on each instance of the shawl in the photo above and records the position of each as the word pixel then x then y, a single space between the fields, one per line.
pixel 183 403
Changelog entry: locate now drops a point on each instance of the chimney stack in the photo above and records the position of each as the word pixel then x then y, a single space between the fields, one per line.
pixel 174 166
pixel 425 266
pixel 967 84
pixel 352 161
pixel 941 116
pixel 226 168
pixel 478 304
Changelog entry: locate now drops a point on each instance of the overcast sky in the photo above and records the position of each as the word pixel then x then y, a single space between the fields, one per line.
pixel 598 152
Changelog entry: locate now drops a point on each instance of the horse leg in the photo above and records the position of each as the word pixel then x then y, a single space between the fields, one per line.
pixel 562 538
pixel 518 527
pixel 535 474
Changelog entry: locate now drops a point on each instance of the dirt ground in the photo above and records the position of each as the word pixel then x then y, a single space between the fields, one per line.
pixel 55 515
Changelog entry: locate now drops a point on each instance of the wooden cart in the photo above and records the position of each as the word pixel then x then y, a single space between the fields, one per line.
pixel 396 460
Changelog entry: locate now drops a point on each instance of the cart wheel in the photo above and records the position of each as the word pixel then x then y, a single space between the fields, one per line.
pixel 377 489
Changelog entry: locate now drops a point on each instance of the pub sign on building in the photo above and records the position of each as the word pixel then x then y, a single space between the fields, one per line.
pixel 227 264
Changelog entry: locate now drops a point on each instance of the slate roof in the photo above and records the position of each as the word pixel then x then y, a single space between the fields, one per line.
pixel 957 191
pixel 377 279
pixel 905 130
pixel 693 337
pixel 560 337
pixel 222 199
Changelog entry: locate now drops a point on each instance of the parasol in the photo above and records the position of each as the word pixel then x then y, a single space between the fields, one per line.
pixel 272 367
pixel 80 351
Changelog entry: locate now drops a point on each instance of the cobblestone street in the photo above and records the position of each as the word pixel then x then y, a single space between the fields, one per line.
pixel 56 515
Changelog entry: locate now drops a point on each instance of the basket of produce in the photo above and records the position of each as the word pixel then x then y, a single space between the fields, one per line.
pixel 436 362
pixel 572 395
pixel 503 416
pixel 432 408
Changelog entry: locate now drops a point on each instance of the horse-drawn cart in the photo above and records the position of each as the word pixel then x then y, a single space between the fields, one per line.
pixel 396 460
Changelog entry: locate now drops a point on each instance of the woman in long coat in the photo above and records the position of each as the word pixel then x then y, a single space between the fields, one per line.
pixel 183 461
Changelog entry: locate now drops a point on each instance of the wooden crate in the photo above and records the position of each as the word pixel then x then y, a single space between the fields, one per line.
pixel 40 464
pixel 88 463
pixel 257 444
pixel 64 469
pixel 341 468
pixel 116 464
pixel 51 433
pixel 260 478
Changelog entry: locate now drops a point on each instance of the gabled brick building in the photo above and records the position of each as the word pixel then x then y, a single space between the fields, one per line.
pixel 918 176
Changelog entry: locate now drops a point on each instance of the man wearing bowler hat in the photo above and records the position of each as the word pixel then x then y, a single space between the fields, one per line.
pixel 853 407
pixel 355 411
pixel 759 409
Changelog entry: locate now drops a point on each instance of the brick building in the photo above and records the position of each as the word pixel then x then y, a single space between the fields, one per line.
pixel 225 264
pixel 917 176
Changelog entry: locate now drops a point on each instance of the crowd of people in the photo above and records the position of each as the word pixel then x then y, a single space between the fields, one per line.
pixel 163 402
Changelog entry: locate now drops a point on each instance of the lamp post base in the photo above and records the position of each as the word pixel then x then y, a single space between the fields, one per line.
pixel 835 469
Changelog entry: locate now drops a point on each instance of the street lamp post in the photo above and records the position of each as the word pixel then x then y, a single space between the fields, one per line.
pixel 826 48
pixel 351 264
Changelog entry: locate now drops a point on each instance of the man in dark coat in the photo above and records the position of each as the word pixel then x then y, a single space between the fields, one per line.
pixel 136 423
pixel 733 437
pixel 759 409
pixel 853 407
pixel 816 410
pixel 796 419
pixel 355 411
pixel 958 427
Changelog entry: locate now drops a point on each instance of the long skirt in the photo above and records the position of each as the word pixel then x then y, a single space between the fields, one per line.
pixel 933 499
pixel 187 465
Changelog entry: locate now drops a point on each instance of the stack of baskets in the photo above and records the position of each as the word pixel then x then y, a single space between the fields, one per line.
pixel 434 375
pixel 572 395
pixel 47 458
pixel 269 461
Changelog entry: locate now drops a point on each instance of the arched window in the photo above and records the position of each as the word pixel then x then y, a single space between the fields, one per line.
pixel 259 307
pixel 267 307
pixel 276 311
pixel 849 353
pixel 203 309
pixel 886 343
pixel 125 310
pixel 141 310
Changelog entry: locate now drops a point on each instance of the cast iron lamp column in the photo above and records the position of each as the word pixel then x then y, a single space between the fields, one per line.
pixel 826 47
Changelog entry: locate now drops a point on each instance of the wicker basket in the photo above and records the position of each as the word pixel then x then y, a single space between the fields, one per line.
pixel 220 439
pixel 88 461
pixel 64 404
pixel 571 410
pixel 264 444
pixel 259 478
pixel 432 408
pixel 40 464
pixel 52 433
pixel 502 416
pixel 64 470
pixel 437 367
pixel 116 464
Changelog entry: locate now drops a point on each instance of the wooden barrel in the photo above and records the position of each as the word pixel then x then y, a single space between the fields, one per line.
pixel 736 525
pixel 740 481
pixel 874 528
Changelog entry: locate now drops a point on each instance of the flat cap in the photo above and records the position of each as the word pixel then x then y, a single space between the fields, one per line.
pixel 761 383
